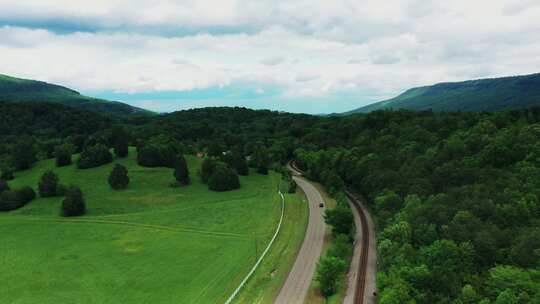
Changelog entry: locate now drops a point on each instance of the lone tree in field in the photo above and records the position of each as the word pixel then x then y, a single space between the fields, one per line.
pixel 119 179
pixel 120 141
pixel 62 154
pixel 73 204
pixel 223 178
pixel 181 172
pixel 48 185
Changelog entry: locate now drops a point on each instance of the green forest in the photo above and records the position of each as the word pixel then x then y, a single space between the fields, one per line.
pixel 455 196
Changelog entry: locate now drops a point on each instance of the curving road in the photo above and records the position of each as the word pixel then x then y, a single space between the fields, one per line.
pixel 296 286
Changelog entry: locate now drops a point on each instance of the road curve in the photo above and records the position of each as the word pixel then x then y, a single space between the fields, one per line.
pixel 364 262
pixel 296 286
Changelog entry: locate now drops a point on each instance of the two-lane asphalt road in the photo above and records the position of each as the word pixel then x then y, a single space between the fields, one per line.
pixel 296 286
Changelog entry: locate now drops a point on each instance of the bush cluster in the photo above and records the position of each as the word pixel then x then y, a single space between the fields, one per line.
pixel 219 176
pixel 94 156
pixel 73 204
pixel 119 179
pixel 156 155
pixel 333 265
pixel 15 199
pixel 63 154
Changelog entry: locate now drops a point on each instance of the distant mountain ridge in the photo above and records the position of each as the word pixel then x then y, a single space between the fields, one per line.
pixel 24 90
pixel 494 94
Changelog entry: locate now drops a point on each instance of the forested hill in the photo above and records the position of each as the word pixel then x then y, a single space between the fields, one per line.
pixel 455 195
pixel 24 90
pixel 496 94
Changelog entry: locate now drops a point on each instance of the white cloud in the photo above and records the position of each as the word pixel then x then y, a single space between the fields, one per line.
pixel 272 61
pixel 306 48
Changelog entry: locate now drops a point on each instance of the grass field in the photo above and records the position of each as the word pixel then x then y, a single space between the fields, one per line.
pixel 266 283
pixel 149 243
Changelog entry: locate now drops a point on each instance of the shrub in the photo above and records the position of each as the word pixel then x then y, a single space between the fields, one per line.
pixel 7 173
pixel 60 190
pixel 62 154
pixel 120 141
pixel 181 172
pixel 73 204
pixel 329 271
pixel 119 179
pixel 121 148
pixel 207 168
pixel 26 194
pixel 94 156
pixel 15 199
pixel 3 186
pixel 340 218
pixel 292 186
pixel 239 163
pixel 154 155
pixel 24 154
pixel 9 201
pixel 48 184
pixel 223 178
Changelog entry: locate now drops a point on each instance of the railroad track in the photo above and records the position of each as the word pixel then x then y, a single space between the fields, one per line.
pixel 359 294
pixel 360 291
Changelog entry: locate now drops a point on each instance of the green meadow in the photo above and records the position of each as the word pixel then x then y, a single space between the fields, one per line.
pixel 149 243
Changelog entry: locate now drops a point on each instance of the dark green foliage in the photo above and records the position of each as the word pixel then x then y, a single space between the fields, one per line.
pixel 120 141
pixel 223 178
pixel 118 179
pixel 261 160
pixel 292 186
pixel 181 172
pixel 73 204
pixel 48 184
pixel 207 168
pixel 341 247
pixel 329 271
pixel 215 149
pixel 23 155
pixel 63 154
pixel 15 199
pixel 6 173
pixel 340 218
pixel 238 162
pixel 9 200
pixel 94 156
pixel 3 186
pixel 156 155
pixel 26 194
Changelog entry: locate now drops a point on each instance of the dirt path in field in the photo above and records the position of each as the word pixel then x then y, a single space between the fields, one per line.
pixel 296 286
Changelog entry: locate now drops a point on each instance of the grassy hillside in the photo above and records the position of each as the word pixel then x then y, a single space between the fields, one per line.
pixel 148 243
pixel 23 90
pixel 475 95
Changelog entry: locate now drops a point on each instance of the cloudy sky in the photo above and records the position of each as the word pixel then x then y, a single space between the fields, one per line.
pixel 300 56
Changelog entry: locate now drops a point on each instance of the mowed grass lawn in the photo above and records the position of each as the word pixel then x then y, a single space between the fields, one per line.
pixel 149 243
